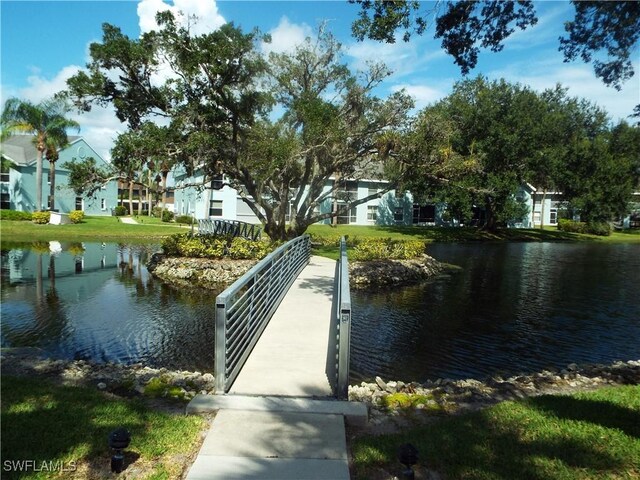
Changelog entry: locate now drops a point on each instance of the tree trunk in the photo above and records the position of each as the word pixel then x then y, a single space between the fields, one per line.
pixel 139 199
pixel 533 210
pixel 39 181
pixel 130 197
pixel 52 186
pixel 544 196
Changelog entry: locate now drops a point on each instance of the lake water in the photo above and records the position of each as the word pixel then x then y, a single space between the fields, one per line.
pixel 513 307
pixel 97 301
pixel 517 307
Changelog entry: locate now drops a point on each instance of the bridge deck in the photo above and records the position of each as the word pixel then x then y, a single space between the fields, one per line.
pixel 291 357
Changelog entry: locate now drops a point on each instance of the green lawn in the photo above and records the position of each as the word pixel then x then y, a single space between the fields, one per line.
pixel 593 435
pixel 71 425
pixel 92 228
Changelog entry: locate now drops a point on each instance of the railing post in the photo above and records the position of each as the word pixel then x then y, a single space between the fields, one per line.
pixel 344 323
pixel 221 345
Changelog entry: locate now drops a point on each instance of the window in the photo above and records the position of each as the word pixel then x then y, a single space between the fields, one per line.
pixel 398 214
pixel 373 189
pixel 424 213
pixel 4 174
pixel 399 193
pixel 536 218
pixel 5 201
pixel 345 216
pixel 553 216
pixel 103 204
pixel 78 203
pixel 215 208
pixel 217 182
pixel 347 191
pixel 372 213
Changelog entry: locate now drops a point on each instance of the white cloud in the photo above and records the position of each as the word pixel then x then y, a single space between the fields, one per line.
pixel 99 127
pixel 403 58
pixel 205 11
pixel 286 37
pixel 580 80
pixel 422 94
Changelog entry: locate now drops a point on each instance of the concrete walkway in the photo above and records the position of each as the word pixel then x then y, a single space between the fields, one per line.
pixel 128 220
pixel 279 422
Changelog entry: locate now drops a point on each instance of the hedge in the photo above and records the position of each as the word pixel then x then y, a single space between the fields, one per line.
pixel 602 229
pixel 386 248
pixel 15 215
pixel 205 246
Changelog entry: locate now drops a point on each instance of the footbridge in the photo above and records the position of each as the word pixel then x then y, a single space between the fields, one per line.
pixel 281 370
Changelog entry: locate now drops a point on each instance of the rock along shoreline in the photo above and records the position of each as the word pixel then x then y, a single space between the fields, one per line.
pixel 385 398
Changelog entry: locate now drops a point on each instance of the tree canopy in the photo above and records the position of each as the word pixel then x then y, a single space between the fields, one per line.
pixel 605 33
pixel 216 92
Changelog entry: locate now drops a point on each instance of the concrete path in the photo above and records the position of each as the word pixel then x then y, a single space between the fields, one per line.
pixel 128 220
pixel 290 358
pixel 272 424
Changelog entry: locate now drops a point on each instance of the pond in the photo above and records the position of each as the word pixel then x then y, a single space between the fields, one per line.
pixel 517 307
pixel 96 301
pixel 513 307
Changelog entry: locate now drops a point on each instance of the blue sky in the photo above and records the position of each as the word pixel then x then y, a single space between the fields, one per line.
pixel 45 42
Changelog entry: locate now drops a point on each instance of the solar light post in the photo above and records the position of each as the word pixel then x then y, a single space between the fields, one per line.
pixel 408 456
pixel 119 439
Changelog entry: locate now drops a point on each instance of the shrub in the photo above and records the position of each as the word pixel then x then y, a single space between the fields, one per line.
pixel 595 228
pixel 120 210
pixel 40 217
pixel 571 226
pixel 206 246
pixel 186 219
pixel 380 248
pixel 157 212
pixel 602 229
pixel 167 216
pixel 76 216
pixel 244 249
pixel 14 215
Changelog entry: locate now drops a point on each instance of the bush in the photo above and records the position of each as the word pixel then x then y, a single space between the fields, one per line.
pixel 381 248
pixel 595 228
pixel 244 249
pixel 14 215
pixel 602 229
pixel 120 210
pixel 76 216
pixel 167 216
pixel 186 219
pixel 157 212
pixel 205 246
pixel 40 217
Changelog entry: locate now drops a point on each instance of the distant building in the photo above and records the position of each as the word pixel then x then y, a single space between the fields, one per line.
pixel 18 182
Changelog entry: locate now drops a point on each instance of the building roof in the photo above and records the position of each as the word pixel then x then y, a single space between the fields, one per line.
pixel 21 150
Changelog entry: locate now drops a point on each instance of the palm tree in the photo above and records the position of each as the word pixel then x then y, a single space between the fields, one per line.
pixel 46 121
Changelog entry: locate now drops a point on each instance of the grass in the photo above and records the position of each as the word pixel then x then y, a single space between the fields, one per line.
pixel 458 234
pixel 92 228
pixel 589 435
pixel 69 426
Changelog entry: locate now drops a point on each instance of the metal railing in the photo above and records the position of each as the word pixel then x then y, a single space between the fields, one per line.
pixel 233 228
pixel 343 317
pixel 244 309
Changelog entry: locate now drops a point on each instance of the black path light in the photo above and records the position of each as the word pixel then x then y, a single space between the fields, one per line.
pixel 119 439
pixel 408 456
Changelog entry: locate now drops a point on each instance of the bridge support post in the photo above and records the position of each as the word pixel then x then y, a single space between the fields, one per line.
pixel 220 347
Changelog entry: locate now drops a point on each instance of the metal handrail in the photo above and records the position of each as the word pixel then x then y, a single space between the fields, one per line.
pixel 343 314
pixel 244 309
pixel 234 228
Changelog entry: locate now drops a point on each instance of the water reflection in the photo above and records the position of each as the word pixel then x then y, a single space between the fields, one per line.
pixel 515 307
pixel 97 301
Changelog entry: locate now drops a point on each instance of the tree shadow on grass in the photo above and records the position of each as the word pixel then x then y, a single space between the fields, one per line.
pixel 597 412
pixel 66 424
pixel 522 440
